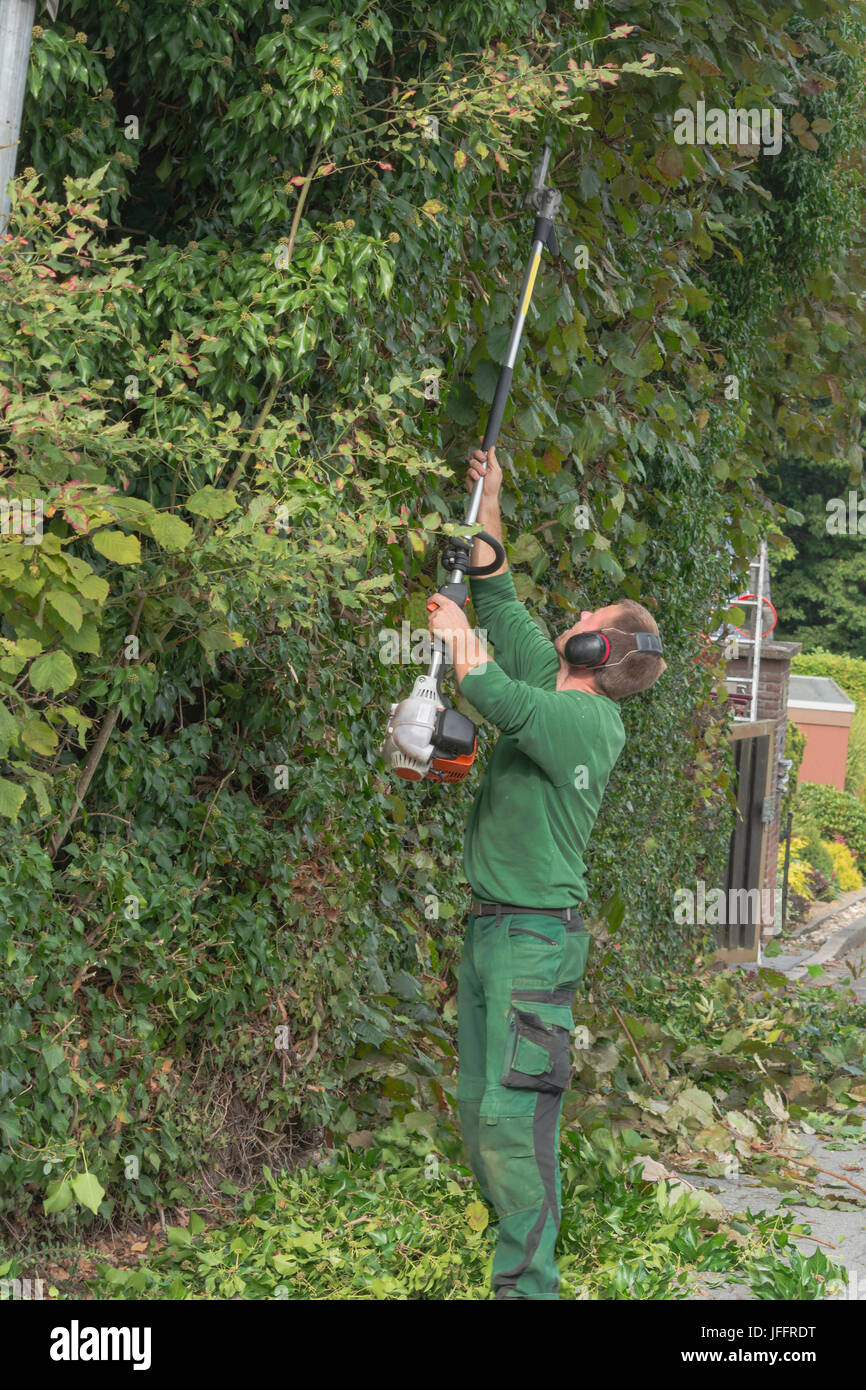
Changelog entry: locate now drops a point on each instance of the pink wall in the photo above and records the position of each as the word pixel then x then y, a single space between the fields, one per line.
pixel 826 752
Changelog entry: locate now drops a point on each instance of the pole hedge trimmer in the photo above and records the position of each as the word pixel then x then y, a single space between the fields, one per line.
pixel 426 736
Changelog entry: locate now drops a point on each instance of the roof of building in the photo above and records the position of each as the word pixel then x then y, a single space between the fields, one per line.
pixel 818 692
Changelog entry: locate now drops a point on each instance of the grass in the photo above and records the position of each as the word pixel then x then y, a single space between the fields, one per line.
pixel 401 1220
pixel 399 1217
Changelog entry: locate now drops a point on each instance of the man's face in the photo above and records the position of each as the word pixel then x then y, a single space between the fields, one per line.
pixel 589 622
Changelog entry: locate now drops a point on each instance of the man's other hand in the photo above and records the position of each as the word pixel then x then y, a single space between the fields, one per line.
pixel 450 626
pixel 446 621
pixel 484 466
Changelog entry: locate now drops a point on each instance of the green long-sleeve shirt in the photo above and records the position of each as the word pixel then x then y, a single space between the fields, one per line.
pixel 540 795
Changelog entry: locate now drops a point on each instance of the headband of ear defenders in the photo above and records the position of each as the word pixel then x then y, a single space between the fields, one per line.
pixel 593 648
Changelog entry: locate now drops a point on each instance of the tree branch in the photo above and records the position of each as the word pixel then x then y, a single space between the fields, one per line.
pixel 94 758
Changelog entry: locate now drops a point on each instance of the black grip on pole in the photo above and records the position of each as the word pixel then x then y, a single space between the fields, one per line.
pixel 456 554
pixel 496 546
pixel 497 410
pixel 545 232
pixel 458 593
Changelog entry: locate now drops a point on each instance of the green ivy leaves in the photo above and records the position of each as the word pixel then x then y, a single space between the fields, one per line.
pixel 117 546
pixel 80 1187
pixel 212 502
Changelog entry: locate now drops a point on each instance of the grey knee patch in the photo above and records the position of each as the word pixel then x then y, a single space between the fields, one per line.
pixel 545 1155
pixel 537 1054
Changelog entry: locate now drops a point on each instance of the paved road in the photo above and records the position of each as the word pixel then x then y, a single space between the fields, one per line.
pixel 838 942
pixel 836 972
pixel 840 1234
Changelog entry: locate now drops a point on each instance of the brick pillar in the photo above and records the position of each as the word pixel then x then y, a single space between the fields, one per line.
pixel 773 683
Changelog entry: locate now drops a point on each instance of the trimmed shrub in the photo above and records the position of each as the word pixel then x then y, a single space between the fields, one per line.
pixel 815 852
pixel 847 875
pixel 834 812
pixel 799 868
pixel 855 766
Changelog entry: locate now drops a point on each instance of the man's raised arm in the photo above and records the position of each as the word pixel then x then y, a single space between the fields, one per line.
pixel 522 650
pixel 548 729
pixel 489 516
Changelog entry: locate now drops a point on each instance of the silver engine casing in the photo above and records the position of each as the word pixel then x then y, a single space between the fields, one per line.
pixel 409 733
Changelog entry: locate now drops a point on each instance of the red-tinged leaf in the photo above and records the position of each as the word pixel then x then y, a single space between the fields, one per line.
pixel 325 169
pixel 671 162
pixel 298 179
pixel 384 165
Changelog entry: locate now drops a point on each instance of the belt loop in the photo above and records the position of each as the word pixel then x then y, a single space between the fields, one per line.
pixel 498 914
pixel 568 914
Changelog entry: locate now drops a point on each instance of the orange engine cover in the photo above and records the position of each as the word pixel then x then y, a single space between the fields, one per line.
pixel 452 769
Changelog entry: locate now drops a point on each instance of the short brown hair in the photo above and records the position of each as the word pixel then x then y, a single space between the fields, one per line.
pixel 641 669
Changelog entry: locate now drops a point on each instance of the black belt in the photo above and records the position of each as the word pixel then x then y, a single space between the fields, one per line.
pixel 500 910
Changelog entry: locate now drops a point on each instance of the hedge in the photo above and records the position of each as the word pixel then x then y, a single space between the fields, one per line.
pixel 218 322
pixel 835 812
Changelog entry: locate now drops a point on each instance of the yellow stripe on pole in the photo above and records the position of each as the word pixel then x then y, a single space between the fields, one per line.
pixel 530 283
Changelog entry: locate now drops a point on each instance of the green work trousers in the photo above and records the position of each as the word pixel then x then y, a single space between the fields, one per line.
pixel 516 986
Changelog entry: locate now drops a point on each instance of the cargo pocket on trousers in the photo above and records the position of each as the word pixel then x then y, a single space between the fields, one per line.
pixel 574 957
pixel 537 1050
pixel 536 952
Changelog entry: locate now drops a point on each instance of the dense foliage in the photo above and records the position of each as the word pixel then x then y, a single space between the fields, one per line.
pixel 849 672
pixel 222 923
pixel 820 591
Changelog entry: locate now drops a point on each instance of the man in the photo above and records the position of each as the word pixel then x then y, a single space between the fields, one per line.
pixel 532 816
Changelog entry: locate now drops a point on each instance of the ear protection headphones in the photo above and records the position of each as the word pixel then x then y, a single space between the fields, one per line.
pixel 593 648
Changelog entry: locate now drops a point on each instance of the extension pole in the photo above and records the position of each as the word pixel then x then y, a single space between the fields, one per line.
pixel 546 203
pixel 16 31
pixel 785 873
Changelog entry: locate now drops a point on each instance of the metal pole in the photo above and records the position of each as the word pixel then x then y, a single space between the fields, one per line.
pixel 16 30
pixel 785 870
pixel 759 628
pixel 547 202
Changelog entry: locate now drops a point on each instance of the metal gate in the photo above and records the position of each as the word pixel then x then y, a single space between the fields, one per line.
pixel 739 938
